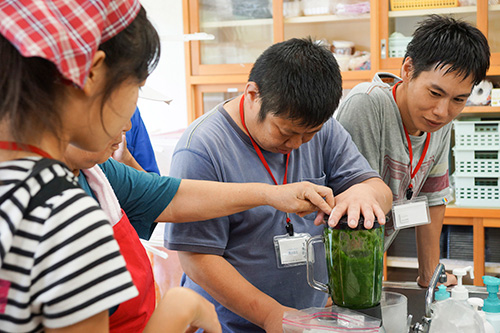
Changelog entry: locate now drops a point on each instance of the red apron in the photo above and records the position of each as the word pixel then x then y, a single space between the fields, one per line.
pixel 133 315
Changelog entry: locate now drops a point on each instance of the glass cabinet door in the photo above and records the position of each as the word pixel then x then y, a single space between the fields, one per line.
pixel 242 30
pixel 494 32
pixel 400 18
pixel 207 97
pixel 343 26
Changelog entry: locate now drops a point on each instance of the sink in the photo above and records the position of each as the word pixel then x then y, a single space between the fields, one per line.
pixel 416 296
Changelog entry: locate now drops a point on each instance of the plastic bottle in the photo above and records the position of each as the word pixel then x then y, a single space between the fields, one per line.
pixel 459 292
pixel 441 294
pixel 492 304
pixel 477 303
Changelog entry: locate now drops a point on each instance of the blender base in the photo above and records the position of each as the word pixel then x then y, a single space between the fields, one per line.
pixel 375 311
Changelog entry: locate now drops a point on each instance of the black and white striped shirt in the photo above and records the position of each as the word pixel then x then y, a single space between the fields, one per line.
pixel 59 263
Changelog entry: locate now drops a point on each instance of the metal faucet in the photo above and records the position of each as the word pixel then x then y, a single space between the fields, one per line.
pixel 438 276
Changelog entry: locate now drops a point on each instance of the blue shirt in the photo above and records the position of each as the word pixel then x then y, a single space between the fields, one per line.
pixel 139 144
pixel 215 148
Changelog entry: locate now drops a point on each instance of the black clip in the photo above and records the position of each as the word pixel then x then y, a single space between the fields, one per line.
pixel 409 193
pixel 289 228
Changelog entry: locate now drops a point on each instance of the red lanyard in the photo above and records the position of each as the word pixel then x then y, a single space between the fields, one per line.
pixel 289 226
pixel 8 145
pixel 409 191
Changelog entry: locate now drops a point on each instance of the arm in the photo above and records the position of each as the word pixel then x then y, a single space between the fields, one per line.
pixel 198 200
pixel 428 236
pixel 219 278
pixel 124 156
pixel 98 323
pixel 371 198
pixel 428 251
pixel 181 308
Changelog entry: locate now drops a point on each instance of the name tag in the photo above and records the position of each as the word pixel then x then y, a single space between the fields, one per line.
pixel 291 250
pixel 411 213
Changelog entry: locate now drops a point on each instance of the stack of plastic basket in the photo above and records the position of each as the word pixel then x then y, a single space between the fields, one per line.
pixel 477 163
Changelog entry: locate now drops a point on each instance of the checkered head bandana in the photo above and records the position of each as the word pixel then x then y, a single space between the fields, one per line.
pixel 65 32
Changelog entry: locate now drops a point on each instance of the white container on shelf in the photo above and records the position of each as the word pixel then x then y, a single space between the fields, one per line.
pixel 473 191
pixel 316 7
pixel 292 8
pixel 480 162
pixel 482 134
pixel 397 45
pixel 343 47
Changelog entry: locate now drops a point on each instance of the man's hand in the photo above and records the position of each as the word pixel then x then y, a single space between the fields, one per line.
pixel 371 198
pixel 451 280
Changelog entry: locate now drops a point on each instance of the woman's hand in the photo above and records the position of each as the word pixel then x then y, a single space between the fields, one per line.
pixel 301 198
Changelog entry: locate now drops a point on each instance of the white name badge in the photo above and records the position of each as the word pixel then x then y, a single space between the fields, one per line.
pixel 411 213
pixel 291 250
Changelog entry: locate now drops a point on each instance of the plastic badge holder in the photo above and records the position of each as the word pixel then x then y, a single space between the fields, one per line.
pixel 412 213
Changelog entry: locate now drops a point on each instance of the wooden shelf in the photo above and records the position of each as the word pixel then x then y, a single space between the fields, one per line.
pixel 480 111
pixel 468 212
pixel 236 23
pixel 439 11
pixel 325 18
pixel 494 8
pixel 450 264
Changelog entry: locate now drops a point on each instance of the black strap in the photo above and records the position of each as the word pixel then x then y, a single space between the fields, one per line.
pixel 55 186
pixel 49 190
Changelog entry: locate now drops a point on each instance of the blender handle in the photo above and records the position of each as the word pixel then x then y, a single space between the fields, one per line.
pixel 310 266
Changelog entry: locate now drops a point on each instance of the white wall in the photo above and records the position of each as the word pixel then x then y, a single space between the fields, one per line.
pixel 169 77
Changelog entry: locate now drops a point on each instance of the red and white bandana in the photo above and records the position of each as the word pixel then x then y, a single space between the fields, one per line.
pixel 65 32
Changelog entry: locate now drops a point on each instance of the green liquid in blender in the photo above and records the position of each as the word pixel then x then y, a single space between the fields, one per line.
pixel 355 266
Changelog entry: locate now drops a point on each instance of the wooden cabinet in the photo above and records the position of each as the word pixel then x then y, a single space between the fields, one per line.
pixel 486 17
pixel 242 34
pixel 218 69
pixel 226 61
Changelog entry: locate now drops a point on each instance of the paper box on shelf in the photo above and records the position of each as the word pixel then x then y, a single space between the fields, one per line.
pixel 495 97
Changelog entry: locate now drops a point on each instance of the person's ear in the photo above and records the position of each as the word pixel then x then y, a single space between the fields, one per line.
pixel 407 69
pixel 251 91
pixel 97 74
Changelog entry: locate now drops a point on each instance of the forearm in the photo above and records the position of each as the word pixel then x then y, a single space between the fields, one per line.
pixel 428 249
pixel 219 278
pixel 198 200
pixel 202 200
pixel 129 160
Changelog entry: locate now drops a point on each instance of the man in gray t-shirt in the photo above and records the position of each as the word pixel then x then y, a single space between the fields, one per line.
pixel 280 130
pixel 387 116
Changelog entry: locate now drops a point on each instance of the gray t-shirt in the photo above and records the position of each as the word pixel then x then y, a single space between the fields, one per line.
pixel 370 114
pixel 215 148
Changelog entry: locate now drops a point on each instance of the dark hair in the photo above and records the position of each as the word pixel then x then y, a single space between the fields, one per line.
pixel 298 79
pixel 441 41
pixel 30 87
pixel 133 53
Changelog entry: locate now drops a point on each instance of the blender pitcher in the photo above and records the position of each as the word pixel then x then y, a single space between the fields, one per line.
pixel 354 261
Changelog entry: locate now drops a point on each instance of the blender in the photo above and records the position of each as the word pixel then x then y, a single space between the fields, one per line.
pixel 354 260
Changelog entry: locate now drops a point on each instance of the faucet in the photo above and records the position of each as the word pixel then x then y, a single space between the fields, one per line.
pixel 438 276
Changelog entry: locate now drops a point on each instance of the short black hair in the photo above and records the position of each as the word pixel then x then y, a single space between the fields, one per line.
pixel 298 79
pixel 441 41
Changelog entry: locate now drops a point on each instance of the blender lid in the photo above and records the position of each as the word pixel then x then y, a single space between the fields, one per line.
pixel 342 225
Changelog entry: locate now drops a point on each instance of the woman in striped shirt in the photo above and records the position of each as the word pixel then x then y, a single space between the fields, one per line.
pixel 71 70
